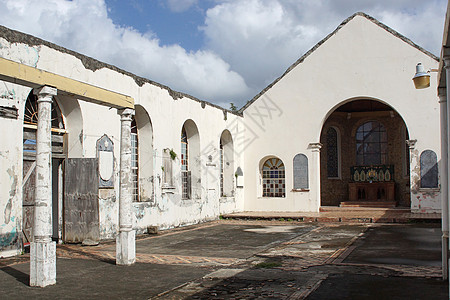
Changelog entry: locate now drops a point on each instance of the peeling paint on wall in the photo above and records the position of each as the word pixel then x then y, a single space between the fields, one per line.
pixel 12 193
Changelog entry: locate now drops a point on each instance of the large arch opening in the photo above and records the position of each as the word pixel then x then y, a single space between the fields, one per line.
pixel 365 158
pixel 59 152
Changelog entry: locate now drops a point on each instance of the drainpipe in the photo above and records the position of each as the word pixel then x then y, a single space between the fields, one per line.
pixel 445 215
pixel 444 181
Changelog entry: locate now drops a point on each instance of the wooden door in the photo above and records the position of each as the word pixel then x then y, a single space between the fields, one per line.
pixel 81 220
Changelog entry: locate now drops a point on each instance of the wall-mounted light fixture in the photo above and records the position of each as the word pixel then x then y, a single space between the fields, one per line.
pixel 421 78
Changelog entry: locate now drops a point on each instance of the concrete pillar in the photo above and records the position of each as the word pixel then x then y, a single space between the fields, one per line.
pixel 42 249
pixel 315 173
pixel 125 243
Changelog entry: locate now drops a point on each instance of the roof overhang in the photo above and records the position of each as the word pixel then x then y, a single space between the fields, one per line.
pixel 445 51
pixel 18 73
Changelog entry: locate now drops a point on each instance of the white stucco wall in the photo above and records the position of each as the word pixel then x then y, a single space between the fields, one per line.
pixel 87 122
pixel 360 61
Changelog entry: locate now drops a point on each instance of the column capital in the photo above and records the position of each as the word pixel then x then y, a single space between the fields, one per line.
pixel 45 91
pixel 447 61
pixel 126 112
pixel 315 147
pixel 411 144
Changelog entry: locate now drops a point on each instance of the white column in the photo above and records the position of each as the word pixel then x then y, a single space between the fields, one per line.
pixel 447 93
pixel 444 181
pixel 315 173
pixel 125 243
pixel 42 249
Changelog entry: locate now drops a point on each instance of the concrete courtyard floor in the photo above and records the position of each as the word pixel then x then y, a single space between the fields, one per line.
pixel 232 259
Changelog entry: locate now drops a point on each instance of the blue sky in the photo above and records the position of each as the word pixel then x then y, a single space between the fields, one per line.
pixel 220 51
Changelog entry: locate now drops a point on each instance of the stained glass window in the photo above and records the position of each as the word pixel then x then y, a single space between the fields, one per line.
pixel 371 144
pixel 273 175
pixel 332 153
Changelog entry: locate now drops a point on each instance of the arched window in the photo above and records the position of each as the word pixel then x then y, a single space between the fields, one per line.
pixel 142 155
pixel 273 176
pixel 134 160
pixel 300 172
pixel 185 174
pixel 226 163
pixel 371 144
pixel 332 153
pixel 30 121
pixel 428 169
pixel 191 182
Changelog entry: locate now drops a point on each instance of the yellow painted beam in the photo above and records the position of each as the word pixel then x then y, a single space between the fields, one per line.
pixel 18 73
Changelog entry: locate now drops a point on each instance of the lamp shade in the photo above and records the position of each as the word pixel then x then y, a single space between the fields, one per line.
pixel 421 79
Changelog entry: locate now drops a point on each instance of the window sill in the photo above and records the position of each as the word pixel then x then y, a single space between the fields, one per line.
pixel 429 189
pixel 268 198
pixel 299 190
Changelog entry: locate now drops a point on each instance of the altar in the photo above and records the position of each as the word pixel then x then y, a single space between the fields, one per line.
pixel 372 184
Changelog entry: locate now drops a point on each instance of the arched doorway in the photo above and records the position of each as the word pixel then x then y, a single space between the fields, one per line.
pixel 58 132
pixel 365 158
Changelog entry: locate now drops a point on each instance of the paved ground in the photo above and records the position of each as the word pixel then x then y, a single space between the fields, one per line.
pixel 248 260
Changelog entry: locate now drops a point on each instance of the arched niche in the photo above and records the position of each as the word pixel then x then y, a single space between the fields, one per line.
pixel 226 148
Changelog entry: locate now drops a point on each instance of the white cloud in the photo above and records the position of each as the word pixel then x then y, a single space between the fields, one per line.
pixel 261 38
pixel 247 43
pixel 84 26
pixel 181 5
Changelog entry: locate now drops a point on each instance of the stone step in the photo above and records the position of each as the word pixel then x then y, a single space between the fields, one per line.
pixel 378 204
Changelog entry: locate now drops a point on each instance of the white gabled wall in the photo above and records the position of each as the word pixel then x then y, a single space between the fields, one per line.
pixel 360 61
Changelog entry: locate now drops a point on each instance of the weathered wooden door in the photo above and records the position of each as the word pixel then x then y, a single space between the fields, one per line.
pixel 81 221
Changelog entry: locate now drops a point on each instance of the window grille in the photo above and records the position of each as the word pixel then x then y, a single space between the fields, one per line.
pixel 221 168
pixel 134 161
pixel 185 174
pixel 371 144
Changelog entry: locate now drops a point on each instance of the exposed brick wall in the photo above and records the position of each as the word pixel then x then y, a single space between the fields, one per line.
pixel 333 191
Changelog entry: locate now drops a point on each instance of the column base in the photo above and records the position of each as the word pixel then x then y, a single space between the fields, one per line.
pixel 126 248
pixel 42 263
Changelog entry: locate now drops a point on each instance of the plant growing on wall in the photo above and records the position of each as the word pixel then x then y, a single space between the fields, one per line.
pixel 172 154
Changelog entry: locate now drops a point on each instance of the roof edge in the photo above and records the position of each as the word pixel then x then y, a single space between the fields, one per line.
pixel 310 51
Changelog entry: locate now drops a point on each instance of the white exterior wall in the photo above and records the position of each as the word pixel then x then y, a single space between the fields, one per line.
pixel 87 122
pixel 360 61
